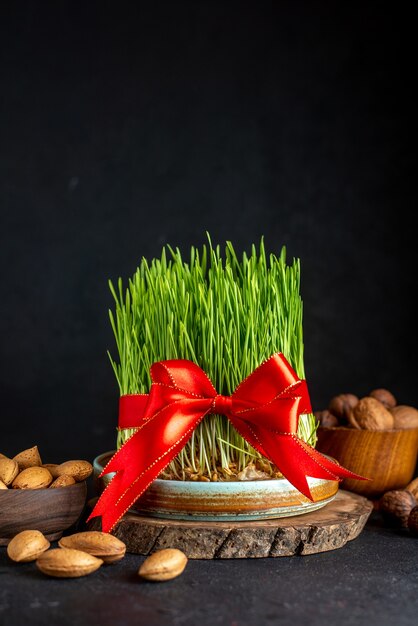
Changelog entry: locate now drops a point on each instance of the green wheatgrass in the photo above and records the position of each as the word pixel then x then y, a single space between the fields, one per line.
pixel 225 313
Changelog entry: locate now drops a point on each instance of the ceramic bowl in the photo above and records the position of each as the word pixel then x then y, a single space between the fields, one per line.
pixel 388 457
pixel 223 501
pixel 49 510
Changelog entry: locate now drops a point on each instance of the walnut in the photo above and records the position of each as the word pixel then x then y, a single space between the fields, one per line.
pixel 341 405
pixel 413 521
pixel 384 396
pixel 352 420
pixel 370 414
pixel 404 416
pixel 395 506
pixel 326 419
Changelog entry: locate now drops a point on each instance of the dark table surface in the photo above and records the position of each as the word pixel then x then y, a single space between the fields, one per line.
pixel 371 580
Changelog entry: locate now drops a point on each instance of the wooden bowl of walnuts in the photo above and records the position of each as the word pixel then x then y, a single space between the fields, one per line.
pixel 373 436
pixel 36 496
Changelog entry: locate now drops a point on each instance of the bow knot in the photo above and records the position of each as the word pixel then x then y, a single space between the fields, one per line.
pixel 221 405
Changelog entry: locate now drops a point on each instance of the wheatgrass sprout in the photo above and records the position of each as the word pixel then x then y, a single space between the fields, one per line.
pixel 225 313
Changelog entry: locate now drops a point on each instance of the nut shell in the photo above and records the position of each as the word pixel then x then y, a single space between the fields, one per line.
pixel 370 414
pixel 404 416
pixel 384 396
pixel 62 481
pixel 352 420
pixel 27 546
pixel 103 545
pixel 413 521
pixel 33 478
pixel 341 405
pixel 67 563
pixel 28 458
pixel 163 565
pixel 9 469
pixel 79 470
pixel 326 419
pixel 51 467
pixel 396 505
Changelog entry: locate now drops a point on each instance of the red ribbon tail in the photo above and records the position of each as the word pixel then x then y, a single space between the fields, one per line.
pixel 105 506
pixel 329 464
pixel 297 460
pixel 141 459
pixel 121 493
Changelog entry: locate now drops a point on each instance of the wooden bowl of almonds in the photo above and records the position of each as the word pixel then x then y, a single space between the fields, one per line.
pixel 373 436
pixel 48 497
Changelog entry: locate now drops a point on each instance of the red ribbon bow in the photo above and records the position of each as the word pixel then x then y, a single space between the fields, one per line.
pixel 264 409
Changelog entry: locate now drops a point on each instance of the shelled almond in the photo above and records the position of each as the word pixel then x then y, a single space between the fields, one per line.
pixel 27 471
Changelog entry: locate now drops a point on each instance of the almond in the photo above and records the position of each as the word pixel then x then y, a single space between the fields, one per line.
pixel 79 470
pixel 27 546
pixel 370 414
pixel 163 565
pixel 9 469
pixel 103 545
pixel 52 469
pixel 67 563
pixel 62 481
pixel 404 416
pixel 2 485
pixel 28 458
pixel 33 478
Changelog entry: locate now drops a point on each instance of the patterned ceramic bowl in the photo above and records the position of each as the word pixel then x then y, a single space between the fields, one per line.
pixel 223 501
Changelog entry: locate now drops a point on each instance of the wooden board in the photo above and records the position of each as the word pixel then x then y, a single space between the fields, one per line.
pixel 326 529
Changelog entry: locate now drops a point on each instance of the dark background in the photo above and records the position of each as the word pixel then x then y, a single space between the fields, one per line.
pixel 125 126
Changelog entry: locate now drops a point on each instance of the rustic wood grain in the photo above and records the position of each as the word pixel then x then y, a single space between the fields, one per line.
pixel 388 457
pixel 49 510
pixel 326 529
